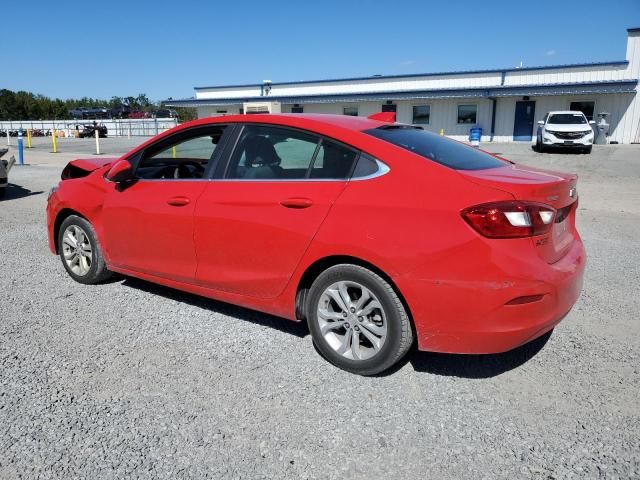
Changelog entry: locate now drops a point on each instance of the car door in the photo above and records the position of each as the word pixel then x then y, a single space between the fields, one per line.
pixel 148 224
pixel 253 224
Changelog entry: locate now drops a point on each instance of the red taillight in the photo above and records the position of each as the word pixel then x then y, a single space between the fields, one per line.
pixel 510 219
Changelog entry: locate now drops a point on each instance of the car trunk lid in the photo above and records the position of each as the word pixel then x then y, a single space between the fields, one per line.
pixel 555 189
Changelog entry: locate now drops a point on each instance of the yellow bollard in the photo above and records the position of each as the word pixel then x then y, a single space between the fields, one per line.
pixel 174 152
pixel 442 132
pixel 28 138
pixel 54 138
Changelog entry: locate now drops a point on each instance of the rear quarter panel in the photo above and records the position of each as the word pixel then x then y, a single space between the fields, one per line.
pixel 407 223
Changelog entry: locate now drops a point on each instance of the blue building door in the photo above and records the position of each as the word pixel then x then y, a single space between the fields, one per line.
pixel 523 123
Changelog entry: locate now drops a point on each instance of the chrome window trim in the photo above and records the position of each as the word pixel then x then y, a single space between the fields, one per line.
pixel 383 169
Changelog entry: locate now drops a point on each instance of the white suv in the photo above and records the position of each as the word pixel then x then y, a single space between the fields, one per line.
pixel 565 129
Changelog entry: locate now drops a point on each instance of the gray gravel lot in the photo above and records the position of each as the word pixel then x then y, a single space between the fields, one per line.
pixel 132 380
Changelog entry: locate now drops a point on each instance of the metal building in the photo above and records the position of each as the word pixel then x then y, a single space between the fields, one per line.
pixel 505 103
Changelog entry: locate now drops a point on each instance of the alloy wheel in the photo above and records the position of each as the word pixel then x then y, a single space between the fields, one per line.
pixel 77 250
pixel 352 320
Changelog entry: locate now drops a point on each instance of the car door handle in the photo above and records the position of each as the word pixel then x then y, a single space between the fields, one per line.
pixel 178 201
pixel 296 203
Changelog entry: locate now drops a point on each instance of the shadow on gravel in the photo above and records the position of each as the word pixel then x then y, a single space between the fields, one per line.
pixel 14 192
pixel 299 329
pixel 477 366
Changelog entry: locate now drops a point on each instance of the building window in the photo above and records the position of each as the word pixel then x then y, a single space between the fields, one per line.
pixel 297 109
pixel 389 107
pixel 467 114
pixel 585 107
pixel 421 114
pixel 352 111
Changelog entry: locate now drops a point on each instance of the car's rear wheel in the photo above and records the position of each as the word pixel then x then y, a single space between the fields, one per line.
pixel 357 320
pixel 80 251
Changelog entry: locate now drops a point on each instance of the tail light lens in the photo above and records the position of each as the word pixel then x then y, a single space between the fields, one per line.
pixel 510 219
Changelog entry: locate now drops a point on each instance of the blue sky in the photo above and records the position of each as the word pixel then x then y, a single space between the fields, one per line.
pixel 165 48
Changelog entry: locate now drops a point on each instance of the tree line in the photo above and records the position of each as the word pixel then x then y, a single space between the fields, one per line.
pixel 23 105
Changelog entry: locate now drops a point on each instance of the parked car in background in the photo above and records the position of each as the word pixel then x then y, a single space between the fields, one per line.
pixel 121 111
pixel 84 113
pixel 79 113
pixel 89 130
pixel 372 232
pixel 566 129
pixel 165 113
pixel 139 114
pixel 5 166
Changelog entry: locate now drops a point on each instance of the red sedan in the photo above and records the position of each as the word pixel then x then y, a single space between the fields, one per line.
pixel 376 234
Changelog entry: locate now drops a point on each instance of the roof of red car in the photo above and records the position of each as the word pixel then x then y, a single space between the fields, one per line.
pixel 300 119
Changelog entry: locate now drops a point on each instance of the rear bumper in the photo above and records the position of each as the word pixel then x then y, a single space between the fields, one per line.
pixel 471 316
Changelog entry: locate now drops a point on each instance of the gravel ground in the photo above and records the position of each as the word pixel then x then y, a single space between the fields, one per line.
pixel 132 380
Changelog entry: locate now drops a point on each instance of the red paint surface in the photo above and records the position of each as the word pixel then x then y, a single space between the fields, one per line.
pixel 250 243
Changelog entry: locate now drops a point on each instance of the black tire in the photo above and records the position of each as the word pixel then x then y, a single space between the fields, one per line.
pixel 98 271
pixel 3 192
pixel 399 334
pixel 587 150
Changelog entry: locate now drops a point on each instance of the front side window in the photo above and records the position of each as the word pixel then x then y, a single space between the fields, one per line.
pixel 186 157
pixel 467 114
pixel 585 107
pixel 442 150
pixel 421 114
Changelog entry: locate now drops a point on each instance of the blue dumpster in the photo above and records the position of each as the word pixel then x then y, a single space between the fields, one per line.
pixel 475 134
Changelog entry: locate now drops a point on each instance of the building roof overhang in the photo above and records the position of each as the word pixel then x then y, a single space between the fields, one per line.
pixel 578 88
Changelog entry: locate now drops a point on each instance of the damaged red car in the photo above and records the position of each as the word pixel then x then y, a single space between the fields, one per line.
pixel 378 235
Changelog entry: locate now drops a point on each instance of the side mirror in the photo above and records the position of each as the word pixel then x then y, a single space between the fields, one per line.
pixel 592 122
pixel 540 122
pixel 121 171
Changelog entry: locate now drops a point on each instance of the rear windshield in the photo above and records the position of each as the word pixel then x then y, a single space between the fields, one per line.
pixel 440 149
pixel 567 119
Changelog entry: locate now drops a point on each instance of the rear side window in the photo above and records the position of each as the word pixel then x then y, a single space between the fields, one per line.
pixel 272 153
pixel 277 153
pixel 333 161
pixel 437 148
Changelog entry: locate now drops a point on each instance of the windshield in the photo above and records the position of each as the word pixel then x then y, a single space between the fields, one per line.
pixel 567 119
pixel 440 149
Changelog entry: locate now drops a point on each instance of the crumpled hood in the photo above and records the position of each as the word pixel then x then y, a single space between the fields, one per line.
pixel 91 164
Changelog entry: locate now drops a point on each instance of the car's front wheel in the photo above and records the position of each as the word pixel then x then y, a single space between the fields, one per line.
pixel 80 251
pixel 357 320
